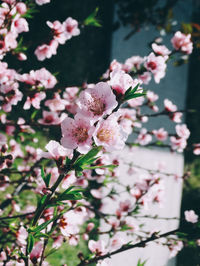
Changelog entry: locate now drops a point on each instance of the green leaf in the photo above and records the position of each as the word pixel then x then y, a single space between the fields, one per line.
pixel 34 114
pixel 131 93
pixel 88 158
pixel 109 166
pixel 140 263
pixel 42 226
pixel 91 20
pixel 70 194
pixel 46 178
pixel 30 243
pixel 41 201
pixel 39 235
pixel 76 196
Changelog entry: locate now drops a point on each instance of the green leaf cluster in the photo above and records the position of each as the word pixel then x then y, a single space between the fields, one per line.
pixel 91 20
pixel 132 93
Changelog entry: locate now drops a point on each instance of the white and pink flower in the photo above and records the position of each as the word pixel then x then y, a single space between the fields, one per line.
pixel 109 134
pixel 182 42
pixel 96 102
pixel 160 134
pixel 191 216
pixel 157 66
pixel 77 133
pixel 97 247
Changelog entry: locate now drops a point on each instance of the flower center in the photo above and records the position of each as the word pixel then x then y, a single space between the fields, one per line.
pixel 97 107
pixel 48 119
pixel 105 135
pixel 81 134
pixel 152 65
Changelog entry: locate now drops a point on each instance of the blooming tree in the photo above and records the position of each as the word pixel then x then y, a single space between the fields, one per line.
pixel 70 173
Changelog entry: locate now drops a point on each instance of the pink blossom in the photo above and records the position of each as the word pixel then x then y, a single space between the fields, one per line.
pixel 57 242
pixel 97 102
pixel 157 65
pixel 77 133
pixel 97 247
pixel 3 139
pixel 169 106
pixel 70 95
pixel 115 65
pixel 178 144
pixel 136 102
pixel 56 104
pixel 20 25
pixel 160 49
pixel 151 96
pixel 182 42
pixel 69 180
pixel 40 78
pixel 109 134
pixel 117 241
pixel 160 134
pixel 10 40
pixel 120 81
pixel 49 118
pixel 130 222
pixel 71 27
pixel 196 150
pixel 58 31
pixel 55 151
pixel 34 100
pixel 144 138
pixel 133 62
pixel 22 235
pixel 145 77
pixel 191 216
pixel 21 57
pixel 125 206
pixel 21 8
pixel 71 220
pixel 42 2
pixel 176 117
pixel 46 51
pixel 175 247
pixel 182 131
pixel 36 252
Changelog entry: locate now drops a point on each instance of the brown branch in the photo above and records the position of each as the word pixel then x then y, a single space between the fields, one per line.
pixel 127 247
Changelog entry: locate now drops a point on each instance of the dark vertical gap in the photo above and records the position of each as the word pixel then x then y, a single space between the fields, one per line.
pixel 190 255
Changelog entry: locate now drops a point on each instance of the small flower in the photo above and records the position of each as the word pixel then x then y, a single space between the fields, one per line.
pixel 160 49
pixel 196 150
pixel 55 151
pixel 42 2
pixel 109 134
pixel 49 118
pixel 71 27
pixel 97 247
pixel 144 138
pixel 97 102
pixel 160 134
pixel 157 66
pixel 182 42
pixel 120 81
pixel 56 104
pixel 191 216
pixel 182 131
pixel 169 106
pixel 77 133
pixel 178 144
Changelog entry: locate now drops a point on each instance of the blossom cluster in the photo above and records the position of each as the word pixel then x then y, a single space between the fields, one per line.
pixel 57 144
